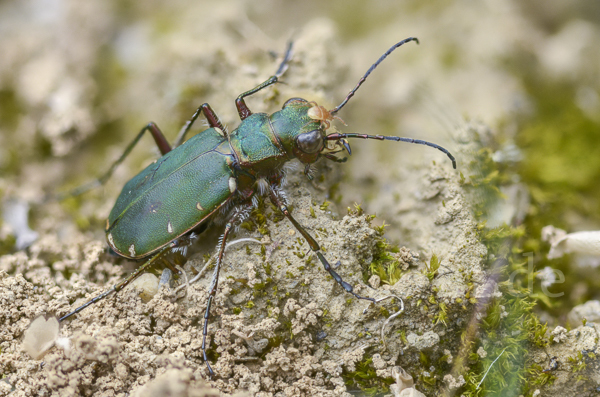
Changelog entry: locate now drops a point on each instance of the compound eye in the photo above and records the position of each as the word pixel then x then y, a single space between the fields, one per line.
pixel 294 100
pixel 310 142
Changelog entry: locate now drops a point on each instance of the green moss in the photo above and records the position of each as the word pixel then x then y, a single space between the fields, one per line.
pixel 509 327
pixel 403 337
pixel 326 319
pixel 309 262
pixel 562 170
pixel 578 363
pixel 505 341
pixel 385 263
pixel 485 180
pixel 442 315
pixel 432 269
pixel 365 378
pixel 268 269
pixel 558 143
pixel 357 211
pixel 258 219
pixel 561 174
pixel 538 376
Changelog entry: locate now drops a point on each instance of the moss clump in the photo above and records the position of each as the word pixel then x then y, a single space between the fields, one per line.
pixel 561 175
pixel 365 378
pixel 385 263
pixel 509 327
pixel 431 270
pixel 7 244
pixel 485 179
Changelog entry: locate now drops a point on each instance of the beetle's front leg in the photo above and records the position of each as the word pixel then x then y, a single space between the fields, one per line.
pixel 240 104
pixel 279 200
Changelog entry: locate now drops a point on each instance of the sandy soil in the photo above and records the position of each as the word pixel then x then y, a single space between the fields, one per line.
pixel 87 76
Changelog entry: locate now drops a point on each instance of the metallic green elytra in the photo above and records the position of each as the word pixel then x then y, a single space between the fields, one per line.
pixel 187 185
pixel 148 215
pixel 216 176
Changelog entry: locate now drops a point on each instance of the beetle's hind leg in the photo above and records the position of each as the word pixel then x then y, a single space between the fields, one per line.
pixel 212 292
pixel 118 287
pixel 160 140
pixel 239 214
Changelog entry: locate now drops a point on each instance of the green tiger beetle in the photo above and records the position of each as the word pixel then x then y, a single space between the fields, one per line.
pixel 216 176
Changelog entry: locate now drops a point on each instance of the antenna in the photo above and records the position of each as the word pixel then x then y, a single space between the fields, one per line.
pixel 362 80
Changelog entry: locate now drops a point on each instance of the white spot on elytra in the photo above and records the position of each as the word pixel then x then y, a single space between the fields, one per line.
pixel 132 250
pixel 232 184
pixel 200 208
pixel 110 239
pixel 169 227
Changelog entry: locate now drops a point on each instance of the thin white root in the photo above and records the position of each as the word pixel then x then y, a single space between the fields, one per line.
pixel 490 367
pixel 390 318
pixel 210 261
pixel 186 283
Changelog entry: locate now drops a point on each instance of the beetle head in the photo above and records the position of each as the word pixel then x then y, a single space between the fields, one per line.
pixel 305 132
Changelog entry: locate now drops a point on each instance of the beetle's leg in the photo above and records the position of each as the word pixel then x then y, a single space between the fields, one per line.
pixel 240 104
pixel 211 117
pixel 117 287
pixel 309 172
pixel 314 246
pixel 160 140
pixel 213 291
pixel 171 267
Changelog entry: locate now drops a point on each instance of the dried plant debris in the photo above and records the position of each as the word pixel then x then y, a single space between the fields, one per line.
pixel 40 336
pixel 561 243
pixel 16 215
